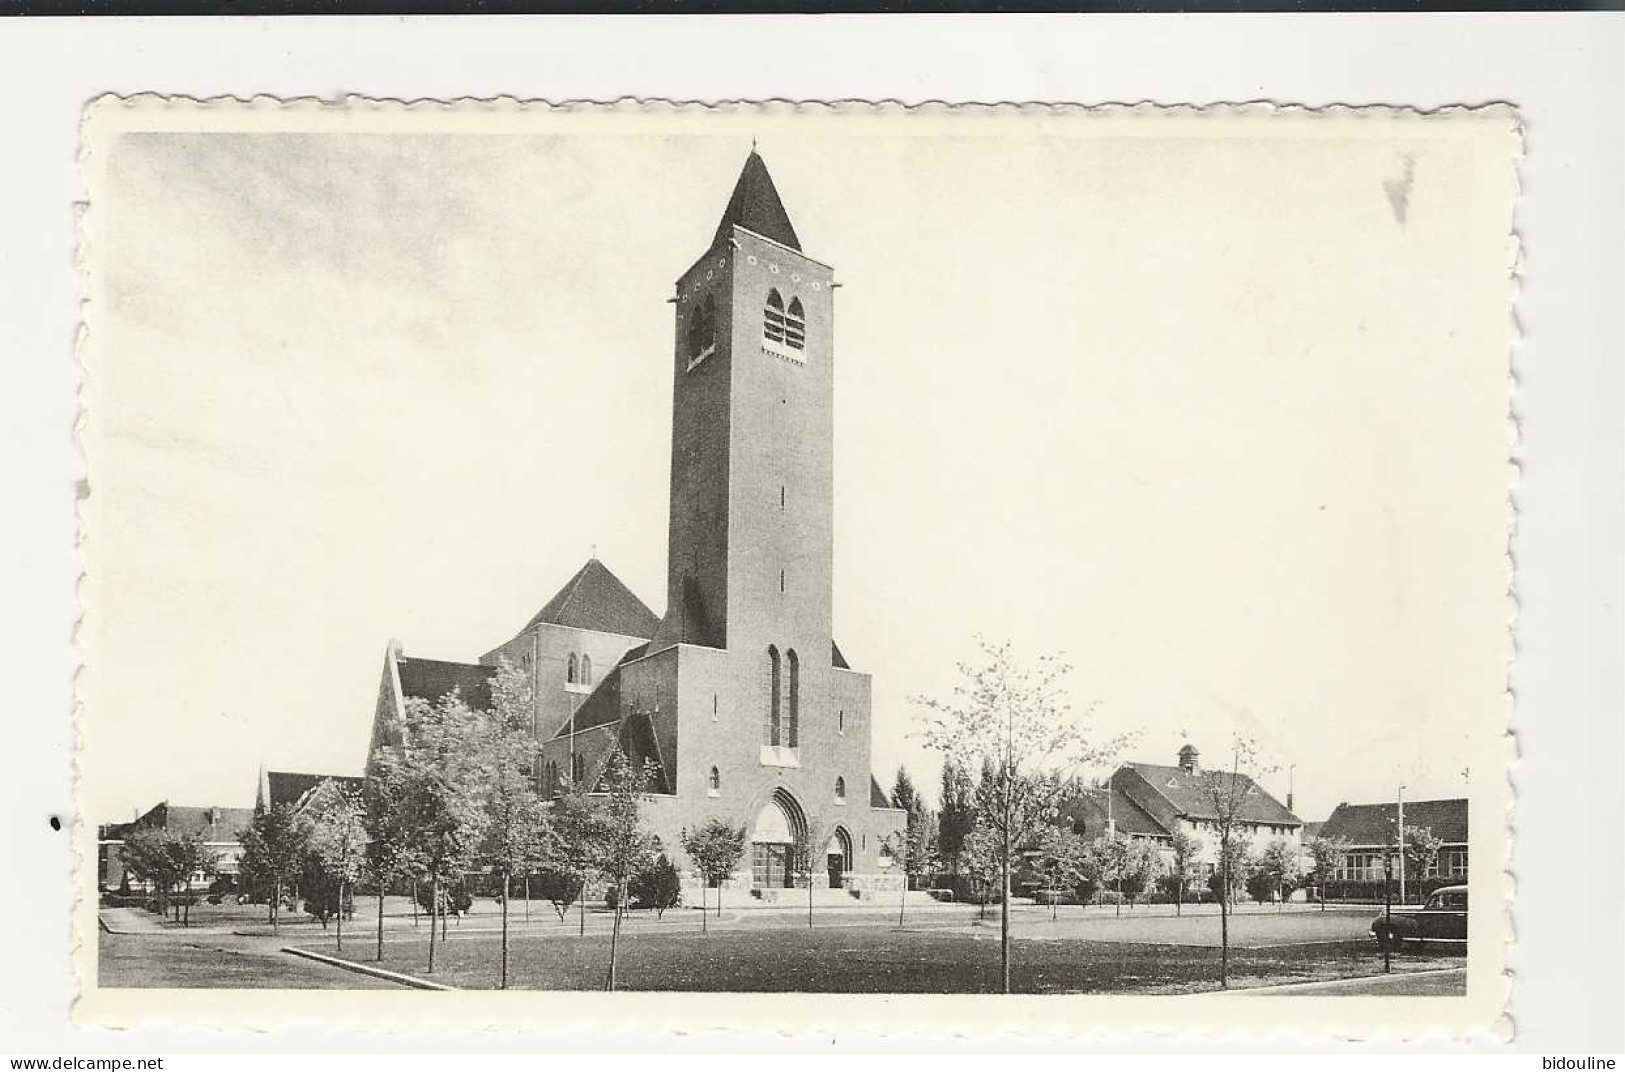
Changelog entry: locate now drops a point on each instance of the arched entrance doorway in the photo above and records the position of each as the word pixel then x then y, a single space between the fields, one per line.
pixel 777 827
pixel 838 857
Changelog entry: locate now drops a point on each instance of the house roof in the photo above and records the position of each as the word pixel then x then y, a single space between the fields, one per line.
pixel 211 824
pixel 290 787
pixel 756 207
pixel 603 705
pixel 1088 809
pixel 596 599
pixel 1370 824
pixel 1188 792
pixel 877 795
pixel 430 679
pixel 836 659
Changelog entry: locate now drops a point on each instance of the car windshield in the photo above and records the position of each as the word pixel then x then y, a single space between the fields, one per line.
pixel 1450 899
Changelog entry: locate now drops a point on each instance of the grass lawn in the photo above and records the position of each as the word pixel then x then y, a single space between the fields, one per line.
pixel 874 959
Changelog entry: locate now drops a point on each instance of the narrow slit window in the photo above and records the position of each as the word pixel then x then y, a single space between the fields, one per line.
pixel 570 671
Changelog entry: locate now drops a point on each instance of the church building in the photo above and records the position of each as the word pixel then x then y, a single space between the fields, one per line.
pixel 739 694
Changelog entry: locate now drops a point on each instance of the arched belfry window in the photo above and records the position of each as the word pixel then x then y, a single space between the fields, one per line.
pixel 702 327
pixel 793 723
pixel 840 788
pixel 773 317
pixel 795 325
pixel 570 670
pixel 715 783
pixel 586 669
pixel 774 726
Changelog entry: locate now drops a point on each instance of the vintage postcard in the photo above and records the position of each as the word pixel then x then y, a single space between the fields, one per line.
pixel 937 571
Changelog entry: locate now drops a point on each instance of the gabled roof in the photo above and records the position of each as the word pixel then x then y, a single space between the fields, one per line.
pixel 877 795
pixel 291 788
pixel 430 679
pixel 1089 814
pixel 1188 792
pixel 596 599
pixel 1370 824
pixel 211 824
pixel 836 659
pixel 756 207
pixel 603 705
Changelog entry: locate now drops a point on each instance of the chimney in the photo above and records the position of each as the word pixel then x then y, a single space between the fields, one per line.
pixel 1187 759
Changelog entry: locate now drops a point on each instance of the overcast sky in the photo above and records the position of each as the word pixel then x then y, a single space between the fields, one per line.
pixel 1223 419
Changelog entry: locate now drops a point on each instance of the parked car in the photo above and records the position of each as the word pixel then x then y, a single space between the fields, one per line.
pixel 1442 919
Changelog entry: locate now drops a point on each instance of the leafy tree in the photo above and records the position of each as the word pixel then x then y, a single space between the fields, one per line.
pixel 579 834
pixel 627 846
pixel 443 770
pixel 801 861
pixel 1227 793
pixel 1142 863
pixel 1281 863
pixel 337 841
pixel 981 859
pixel 716 848
pixel 168 861
pixel 1016 723
pixel 1187 866
pixel 559 887
pixel 1421 851
pixel 273 853
pixel 518 837
pixel 1060 861
pixel 917 849
pixel 1109 862
pixel 657 886
pixel 1326 856
pixel 390 839
pixel 957 815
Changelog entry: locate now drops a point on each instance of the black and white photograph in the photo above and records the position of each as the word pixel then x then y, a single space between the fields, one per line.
pixel 810 551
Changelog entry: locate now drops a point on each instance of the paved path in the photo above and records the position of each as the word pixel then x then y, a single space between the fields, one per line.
pixel 1451 982
pixel 182 960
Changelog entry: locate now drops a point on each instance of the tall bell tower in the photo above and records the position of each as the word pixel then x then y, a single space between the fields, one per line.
pixel 752 471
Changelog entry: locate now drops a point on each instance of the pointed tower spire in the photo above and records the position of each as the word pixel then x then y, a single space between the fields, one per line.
pixel 755 206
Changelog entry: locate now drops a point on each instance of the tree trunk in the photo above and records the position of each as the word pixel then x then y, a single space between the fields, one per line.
pixel 380 919
pixel 339 936
pixel 809 897
pixel 581 905
pixel 705 907
pixel 615 935
pixel 276 903
pixel 414 901
pixel 434 903
pixel 504 930
pixel 527 896
pixel 1224 919
pixel 1004 911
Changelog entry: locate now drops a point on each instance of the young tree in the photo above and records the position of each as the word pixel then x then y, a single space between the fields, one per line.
pixel 578 826
pixel 1187 865
pixel 627 846
pixel 387 819
pixel 716 849
pixel 1280 863
pixel 917 850
pixel 442 774
pixel 1108 862
pixel 1142 863
pixel 981 859
pixel 957 815
pixel 560 888
pixel 1421 852
pixel 1015 721
pixel 801 861
pixel 657 886
pixel 1326 856
pixel 168 861
pixel 1228 792
pixel 273 852
pixel 1060 860
pixel 517 834
pixel 337 840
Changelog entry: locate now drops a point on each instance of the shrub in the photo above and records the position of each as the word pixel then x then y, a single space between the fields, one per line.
pixel 458 899
pixel 658 887
pixel 1261 886
pixel 559 888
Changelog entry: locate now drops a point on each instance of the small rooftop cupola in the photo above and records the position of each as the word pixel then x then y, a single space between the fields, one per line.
pixel 1188 759
pixel 756 207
